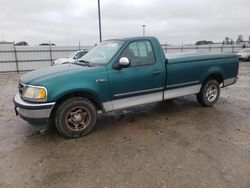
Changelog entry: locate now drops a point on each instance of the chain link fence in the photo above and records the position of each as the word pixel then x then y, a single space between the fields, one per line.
pixel 25 58
pixel 216 48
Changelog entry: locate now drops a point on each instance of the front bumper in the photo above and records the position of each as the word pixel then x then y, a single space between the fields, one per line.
pixel 34 113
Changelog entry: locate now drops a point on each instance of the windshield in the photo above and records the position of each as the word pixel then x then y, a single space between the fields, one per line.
pixel 102 53
pixel 80 54
pixel 245 50
pixel 73 55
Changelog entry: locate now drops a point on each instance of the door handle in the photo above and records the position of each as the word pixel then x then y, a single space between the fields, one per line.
pixel 156 72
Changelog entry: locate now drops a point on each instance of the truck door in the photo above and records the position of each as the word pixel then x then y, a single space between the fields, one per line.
pixel 142 82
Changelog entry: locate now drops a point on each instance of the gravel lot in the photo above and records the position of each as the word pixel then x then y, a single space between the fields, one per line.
pixel 169 144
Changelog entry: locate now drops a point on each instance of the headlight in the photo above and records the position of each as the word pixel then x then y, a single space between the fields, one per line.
pixel 35 93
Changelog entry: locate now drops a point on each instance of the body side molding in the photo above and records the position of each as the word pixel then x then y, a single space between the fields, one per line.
pixel 138 92
pixel 183 84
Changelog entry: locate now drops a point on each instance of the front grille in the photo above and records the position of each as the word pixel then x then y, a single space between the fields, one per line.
pixel 21 88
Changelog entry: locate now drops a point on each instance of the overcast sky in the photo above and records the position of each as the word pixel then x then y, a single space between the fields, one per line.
pixel 172 21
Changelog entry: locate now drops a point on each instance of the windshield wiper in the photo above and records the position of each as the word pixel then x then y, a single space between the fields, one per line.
pixel 84 62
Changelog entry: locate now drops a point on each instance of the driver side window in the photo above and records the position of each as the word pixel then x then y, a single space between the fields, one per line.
pixel 139 53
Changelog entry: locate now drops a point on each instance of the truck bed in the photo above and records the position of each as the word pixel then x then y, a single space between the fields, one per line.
pixel 196 56
pixel 195 67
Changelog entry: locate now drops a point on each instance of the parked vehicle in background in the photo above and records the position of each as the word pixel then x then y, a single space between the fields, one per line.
pixel 72 58
pixel 118 74
pixel 47 44
pixel 244 54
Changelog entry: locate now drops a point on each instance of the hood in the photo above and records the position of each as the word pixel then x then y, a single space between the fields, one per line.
pixel 242 53
pixel 64 60
pixel 47 74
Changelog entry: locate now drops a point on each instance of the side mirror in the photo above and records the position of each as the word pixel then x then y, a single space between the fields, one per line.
pixel 124 62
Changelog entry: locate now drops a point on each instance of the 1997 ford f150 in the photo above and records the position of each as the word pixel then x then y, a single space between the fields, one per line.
pixel 117 74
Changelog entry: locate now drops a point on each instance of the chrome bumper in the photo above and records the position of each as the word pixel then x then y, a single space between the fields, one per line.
pixel 32 111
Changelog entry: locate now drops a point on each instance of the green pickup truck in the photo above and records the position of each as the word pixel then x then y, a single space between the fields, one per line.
pixel 118 74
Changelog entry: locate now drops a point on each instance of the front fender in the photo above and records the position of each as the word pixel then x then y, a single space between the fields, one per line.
pixel 79 82
pixel 100 91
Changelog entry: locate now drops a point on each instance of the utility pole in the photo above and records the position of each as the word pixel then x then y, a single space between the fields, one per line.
pixel 143 29
pixel 100 25
pixel 67 36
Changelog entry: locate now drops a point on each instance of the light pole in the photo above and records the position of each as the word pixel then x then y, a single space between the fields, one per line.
pixel 143 29
pixel 99 17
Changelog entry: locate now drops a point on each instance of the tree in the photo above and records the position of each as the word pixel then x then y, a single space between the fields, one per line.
pixel 231 41
pixel 21 43
pixel 203 42
pixel 239 39
pixel 227 40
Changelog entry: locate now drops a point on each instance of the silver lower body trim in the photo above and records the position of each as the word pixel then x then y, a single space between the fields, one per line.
pixel 179 92
pixel 229 81
pixel 132 101
pixel 150 98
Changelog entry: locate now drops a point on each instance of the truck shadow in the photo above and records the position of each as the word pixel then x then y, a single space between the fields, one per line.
pixel 176 109
pixel 156 111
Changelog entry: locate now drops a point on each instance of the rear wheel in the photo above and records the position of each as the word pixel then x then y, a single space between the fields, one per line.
pixel 75 117
pixel 209 93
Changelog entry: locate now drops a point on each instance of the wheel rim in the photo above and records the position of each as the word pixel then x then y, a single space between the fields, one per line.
pixel 78 118
pixel 211 93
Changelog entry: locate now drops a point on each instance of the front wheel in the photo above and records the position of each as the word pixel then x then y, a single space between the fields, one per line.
pixel 75 117
pixel 209 93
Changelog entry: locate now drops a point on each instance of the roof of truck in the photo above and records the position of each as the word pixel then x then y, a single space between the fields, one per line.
pixel 131 38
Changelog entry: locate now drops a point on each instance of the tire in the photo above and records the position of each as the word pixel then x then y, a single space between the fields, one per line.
pixel 209 93
pixel 75 117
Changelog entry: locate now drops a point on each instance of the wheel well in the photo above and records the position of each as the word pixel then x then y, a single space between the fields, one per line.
pixel 86 95
pixel 216 77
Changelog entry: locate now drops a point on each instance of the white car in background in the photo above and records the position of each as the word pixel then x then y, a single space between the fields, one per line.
pixel 244 54
pixel 71 59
